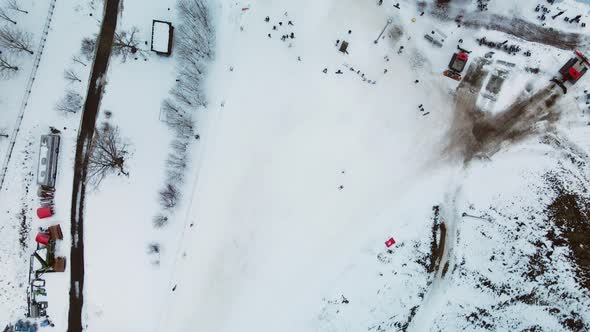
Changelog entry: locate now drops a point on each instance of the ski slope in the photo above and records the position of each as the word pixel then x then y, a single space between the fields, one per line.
pixel 272 228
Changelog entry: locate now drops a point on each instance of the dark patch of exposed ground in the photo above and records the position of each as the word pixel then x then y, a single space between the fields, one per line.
pixel 87 126
pixel 478 134
pixel 430 262
pixel 570 214
pixel 563 223
pixel 517 27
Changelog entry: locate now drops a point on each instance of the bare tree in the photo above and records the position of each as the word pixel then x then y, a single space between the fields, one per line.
pixel 77 59
pixel 107 155
pixel 13 4
pixel 195 39
pixel 176 161
pixel 4 16
pixel 160 220
pixel 126 43
pixel 177 118
pixel 71 76
pixel 179 146
pixel 153 248
pixel 70 103
pixel 189 90
pixel 169 196
pixel 87 48
pixel 174 175
pixel 15 39
pixel 196 33
pixel 6 65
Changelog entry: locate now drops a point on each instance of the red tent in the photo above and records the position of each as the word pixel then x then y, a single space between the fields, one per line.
pixel 389 242
pixel 44 212
pixel 42 238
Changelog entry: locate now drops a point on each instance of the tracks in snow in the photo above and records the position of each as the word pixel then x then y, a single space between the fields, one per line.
pixel 437 293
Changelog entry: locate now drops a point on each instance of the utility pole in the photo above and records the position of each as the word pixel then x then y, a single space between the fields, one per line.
pixel 389 21
pixel 465 214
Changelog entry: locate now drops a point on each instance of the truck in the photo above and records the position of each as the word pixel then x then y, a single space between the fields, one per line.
pixel 572 71
pixel 457 64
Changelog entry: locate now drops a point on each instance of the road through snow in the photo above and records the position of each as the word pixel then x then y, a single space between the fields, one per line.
pixel 85 134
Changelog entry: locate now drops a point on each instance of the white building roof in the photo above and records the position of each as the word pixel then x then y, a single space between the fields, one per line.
pixel 160 37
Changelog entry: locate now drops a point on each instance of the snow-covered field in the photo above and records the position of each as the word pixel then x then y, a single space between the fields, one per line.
pixel 308 160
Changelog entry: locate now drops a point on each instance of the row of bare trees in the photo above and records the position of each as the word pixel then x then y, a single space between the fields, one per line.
pixel 125 44
pixel 194 42
pixel 10 5
pixel 13 40
pixel 72 101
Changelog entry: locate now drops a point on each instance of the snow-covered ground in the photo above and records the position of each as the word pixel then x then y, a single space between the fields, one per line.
pixel 277 244
pixel 14 84
pixel 118 217
pixel 308 160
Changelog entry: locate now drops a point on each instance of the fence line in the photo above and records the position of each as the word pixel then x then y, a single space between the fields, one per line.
pixel 27 94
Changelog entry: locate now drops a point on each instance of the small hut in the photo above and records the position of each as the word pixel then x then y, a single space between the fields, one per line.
pixel 162 33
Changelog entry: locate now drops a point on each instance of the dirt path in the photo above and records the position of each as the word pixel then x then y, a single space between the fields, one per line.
pixel 516 27
pixel 436 296
pixel 86 132
pixel 478 134
pixel 528 31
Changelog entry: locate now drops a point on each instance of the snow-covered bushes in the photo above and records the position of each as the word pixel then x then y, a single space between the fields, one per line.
pixel 153 248
pixel 13 40
pixel 88 47
pixel 169 196
pixel 160 220
pixel 16 40
pixel 70 103
pixel 194 41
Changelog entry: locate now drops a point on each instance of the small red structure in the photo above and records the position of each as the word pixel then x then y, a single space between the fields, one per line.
pixel 42 238
pixel 572 71
pixel 389 242
pixel 44 212
pixel 574 74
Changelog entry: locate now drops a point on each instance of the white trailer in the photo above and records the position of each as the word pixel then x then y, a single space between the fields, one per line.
pixel 47 165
